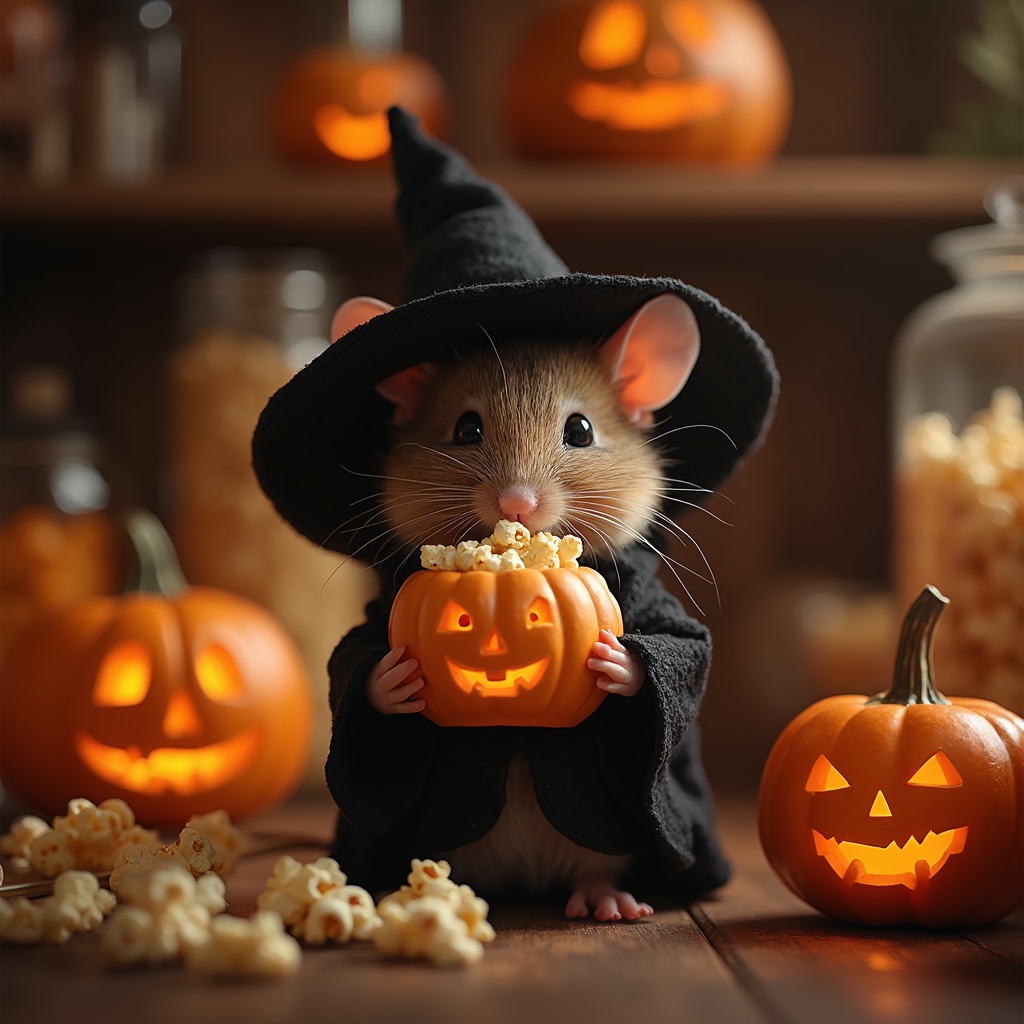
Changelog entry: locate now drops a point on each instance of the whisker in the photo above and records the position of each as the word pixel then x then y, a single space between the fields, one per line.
pixel 501 364
pixel 668 561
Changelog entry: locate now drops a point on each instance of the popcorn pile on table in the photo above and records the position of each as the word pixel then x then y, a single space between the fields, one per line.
pixel 510 546
pixel 433 918
pixel 168 902
pixel 87 838
pixel 961 528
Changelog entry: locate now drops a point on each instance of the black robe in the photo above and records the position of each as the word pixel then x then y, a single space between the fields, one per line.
pixel 626 780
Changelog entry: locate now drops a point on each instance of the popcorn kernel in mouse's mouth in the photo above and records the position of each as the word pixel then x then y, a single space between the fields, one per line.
pixel 510 546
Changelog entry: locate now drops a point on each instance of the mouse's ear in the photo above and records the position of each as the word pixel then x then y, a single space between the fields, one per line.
pixel 651 355
pixel 405 389
pixel 354 312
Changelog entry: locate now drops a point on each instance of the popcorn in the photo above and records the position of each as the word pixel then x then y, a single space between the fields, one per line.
pixel 167 914
pixel 510 546
pixel 426 928
pixel 296 891
pixel 237 946
pixel 78 904
pixel 327 920
pixel 228 840
pixel 960 527
pixel 87 838
pixel 24 831
pixel 430 878
pixel 192 850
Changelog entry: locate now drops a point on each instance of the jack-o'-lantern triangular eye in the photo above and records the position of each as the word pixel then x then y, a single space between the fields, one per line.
pixel 824 777
pixel 218 675
pixel 690 25
pixel 939 771
pixel 614 35
pixel 124 676
pixel 455 619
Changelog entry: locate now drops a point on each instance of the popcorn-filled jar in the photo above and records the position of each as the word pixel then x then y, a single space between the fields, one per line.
pixel 250 318
pixel 959 454
pixel 59 542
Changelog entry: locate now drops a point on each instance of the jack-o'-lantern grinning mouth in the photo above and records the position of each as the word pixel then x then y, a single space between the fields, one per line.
pixel 913 862
pixel 498 683
pixel 648 106
pixel 181 770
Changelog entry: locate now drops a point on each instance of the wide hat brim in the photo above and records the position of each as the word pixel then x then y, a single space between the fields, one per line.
pixel 319 445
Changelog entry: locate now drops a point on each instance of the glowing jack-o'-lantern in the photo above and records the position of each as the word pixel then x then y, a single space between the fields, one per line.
pixel 331 105
pixel 659 79
pixel 505 648
pixel 900 809
pixel 177 699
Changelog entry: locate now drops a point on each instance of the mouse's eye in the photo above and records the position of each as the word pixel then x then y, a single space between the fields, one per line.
pixel 577 432
pixel 469 429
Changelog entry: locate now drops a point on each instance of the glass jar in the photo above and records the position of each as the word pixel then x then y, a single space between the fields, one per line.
pixel 58 541
pixel 959 454
pixel 249 319
pixel 126 88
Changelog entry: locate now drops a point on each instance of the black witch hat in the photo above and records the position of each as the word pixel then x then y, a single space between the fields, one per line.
pixel 478 261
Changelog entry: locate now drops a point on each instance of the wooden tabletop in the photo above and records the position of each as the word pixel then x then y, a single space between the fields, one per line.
pixel 753 953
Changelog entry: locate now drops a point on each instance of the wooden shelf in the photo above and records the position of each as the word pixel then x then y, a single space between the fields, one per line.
pixel 801 188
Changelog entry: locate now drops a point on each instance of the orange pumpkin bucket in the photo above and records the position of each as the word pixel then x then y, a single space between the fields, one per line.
pixel 505 646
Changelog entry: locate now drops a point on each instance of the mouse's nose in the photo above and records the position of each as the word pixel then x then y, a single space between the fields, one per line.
pixel 516 501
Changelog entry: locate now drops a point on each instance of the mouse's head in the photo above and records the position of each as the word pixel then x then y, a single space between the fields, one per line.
pixel 555 434
pixel 466 385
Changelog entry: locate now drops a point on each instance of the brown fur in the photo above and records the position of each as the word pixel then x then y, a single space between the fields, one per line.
pixel 438 491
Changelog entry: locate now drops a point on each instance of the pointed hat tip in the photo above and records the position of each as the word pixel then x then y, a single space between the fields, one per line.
pixel 401 122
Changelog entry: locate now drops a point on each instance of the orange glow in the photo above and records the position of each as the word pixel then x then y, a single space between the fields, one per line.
pixel 649 106
pixel 662 61
pixel 938 770
pixel 614 35
pixel 689 24
pixel 498 684
pixel 880 808
pixel 218 675
pixel 181 717
pixel 917 860
pixel 455 619
pixel 378 88
pixel 167 769
pixel 352 136
pixel 494 644
pixel 824 777
pixel 123 678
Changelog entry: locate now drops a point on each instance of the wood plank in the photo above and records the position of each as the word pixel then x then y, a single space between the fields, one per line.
pixel 540 968
pixel 848 188
pixel 801 967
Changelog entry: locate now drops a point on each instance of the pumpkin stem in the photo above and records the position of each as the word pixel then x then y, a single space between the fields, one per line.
pixel 912 679
pixel 157 570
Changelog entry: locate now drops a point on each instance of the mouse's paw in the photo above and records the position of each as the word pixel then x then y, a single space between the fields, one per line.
pixel 606 902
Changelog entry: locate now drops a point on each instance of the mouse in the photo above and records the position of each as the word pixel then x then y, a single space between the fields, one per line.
pixel 503 385
pixel 557 436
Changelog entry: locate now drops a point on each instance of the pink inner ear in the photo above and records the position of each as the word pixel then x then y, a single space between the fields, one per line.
pixel 405 389
pixel 651 355
pixel 354 312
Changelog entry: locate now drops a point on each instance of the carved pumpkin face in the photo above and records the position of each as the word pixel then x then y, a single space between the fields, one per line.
pixel 331 106
pixel 679 79
pixel 176 704
pixel 891 857
pixel 505 648
pixel 896 811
